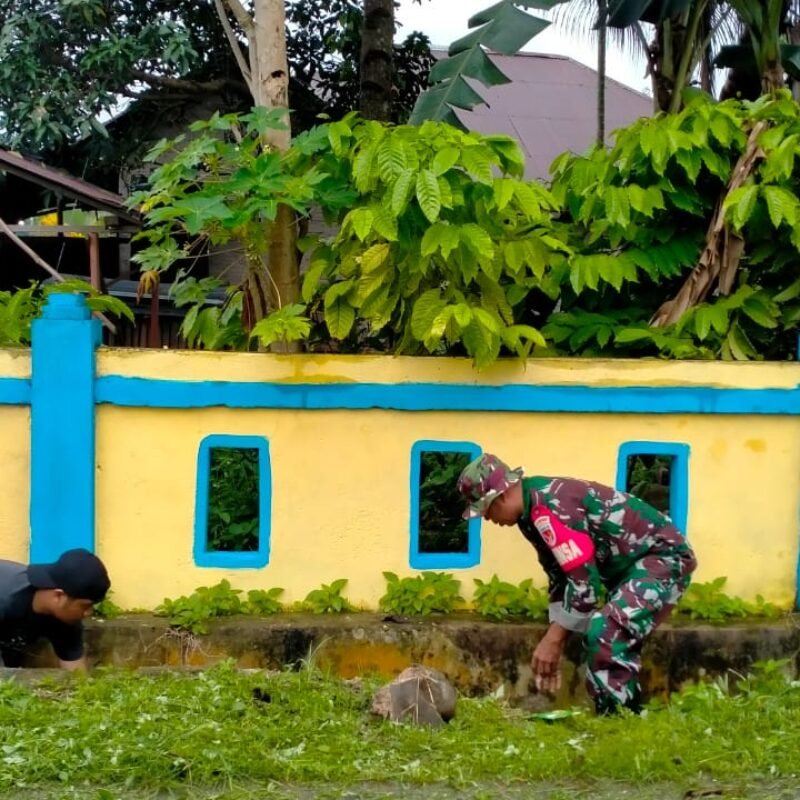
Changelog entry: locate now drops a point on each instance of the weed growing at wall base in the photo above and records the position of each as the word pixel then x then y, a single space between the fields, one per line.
pixel 191 732
pixel 423 594
pixel 427 593
pixel 327 599
pixel 707 601
pixel 193 612
pixel 500 600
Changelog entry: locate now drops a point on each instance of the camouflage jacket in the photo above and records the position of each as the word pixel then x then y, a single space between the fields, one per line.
pixel 588 537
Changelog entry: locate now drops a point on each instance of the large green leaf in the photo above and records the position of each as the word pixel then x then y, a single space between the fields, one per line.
pixel 790 58
pixel 507 31
pixel 743 57
pixel 781 204
pixel 504 28
pixel 429 195
pixel 474 63
pixel 339 317
pixel 428 306
pixel 624 13
pixel 736 56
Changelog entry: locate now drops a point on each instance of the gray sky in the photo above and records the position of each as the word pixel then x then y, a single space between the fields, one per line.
pixel 444 21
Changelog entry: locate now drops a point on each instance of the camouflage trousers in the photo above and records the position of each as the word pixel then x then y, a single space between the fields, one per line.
pixel 635 607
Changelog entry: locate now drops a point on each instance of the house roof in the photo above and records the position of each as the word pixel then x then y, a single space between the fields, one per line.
pixel 87 194
pixel 551 106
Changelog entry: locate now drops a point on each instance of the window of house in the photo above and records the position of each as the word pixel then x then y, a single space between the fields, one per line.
pixel 232 516
pixel 658 473
pixel 440 537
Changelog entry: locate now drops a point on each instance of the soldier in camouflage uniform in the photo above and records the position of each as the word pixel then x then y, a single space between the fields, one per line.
pixel 616 568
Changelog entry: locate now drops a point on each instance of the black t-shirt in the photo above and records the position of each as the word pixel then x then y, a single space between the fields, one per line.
pixel 20 627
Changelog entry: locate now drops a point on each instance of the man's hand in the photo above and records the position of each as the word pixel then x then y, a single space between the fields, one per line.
pixel 546 659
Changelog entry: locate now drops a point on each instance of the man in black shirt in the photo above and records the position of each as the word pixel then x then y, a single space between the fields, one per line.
pixel 48 601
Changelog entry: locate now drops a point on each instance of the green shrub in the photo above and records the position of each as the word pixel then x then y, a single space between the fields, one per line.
pixel 501 600
pixel 327 599
pixel 427 593
pixel 707 601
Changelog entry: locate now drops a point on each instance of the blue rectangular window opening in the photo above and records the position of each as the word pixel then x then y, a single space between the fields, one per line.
pixel 448 508
pixel 255 450
pixel 678 475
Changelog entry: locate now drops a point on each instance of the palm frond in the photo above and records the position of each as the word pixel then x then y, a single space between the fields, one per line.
pixel 578 19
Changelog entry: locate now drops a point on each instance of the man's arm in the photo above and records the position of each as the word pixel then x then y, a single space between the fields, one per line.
pixel 67 641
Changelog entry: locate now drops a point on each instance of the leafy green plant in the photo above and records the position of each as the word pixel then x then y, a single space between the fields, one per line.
pixel 440 243
pixel 439 236
pixel 222 186
pixel 193 612
pixel 502 600
pixel 636 217
pixel 503 28
pixel 328 599
pixel 206 324
pixel 648 478
pixel 107 608
pixel 19 308
pixel 707 601
pixel 426 593
pixel 233 499
pixel 442 528
pixel 263 602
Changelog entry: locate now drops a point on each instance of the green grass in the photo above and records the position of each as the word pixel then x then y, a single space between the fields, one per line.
pixel 205 735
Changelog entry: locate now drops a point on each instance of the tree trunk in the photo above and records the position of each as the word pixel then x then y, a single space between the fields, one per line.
pixel 719 261
pixel 376 60
pixel 772 78
pixel 602 42
pixel 279 282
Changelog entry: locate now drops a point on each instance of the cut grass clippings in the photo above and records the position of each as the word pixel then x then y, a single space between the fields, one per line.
pixel 227 728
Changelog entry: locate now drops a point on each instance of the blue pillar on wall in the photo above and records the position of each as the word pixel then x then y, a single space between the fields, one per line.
pixel 64 340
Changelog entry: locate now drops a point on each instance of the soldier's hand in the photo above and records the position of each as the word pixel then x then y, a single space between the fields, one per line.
pixel 546 664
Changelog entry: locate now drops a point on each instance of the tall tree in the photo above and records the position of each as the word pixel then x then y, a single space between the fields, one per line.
pixel 264 66
pixel 66 67
pixel 602 44
pixel 377 36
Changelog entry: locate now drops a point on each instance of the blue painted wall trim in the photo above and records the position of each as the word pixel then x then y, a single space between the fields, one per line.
pixel 679 475
pixel 62 512
pixel 420 560
pixel 143 392
pixel 15 391
pixel 252 559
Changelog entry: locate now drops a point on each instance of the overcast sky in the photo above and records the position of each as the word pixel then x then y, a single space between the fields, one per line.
pixel 444 21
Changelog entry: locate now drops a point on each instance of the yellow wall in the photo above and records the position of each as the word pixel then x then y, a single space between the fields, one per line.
pixel 15 471
pixel 15 464
pixel 340 479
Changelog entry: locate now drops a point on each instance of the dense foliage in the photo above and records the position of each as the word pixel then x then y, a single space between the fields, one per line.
pixel 67 65
pixel 442 247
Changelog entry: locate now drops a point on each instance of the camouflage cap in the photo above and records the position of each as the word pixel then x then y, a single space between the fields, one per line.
pixel 483 480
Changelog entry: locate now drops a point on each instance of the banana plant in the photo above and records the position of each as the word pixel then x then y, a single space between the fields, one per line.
pixel 504 28
pixel 767 54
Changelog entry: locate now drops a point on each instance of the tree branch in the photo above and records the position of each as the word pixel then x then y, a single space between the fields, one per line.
pixel 242 16
pixel 232 41
pixel 181 84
